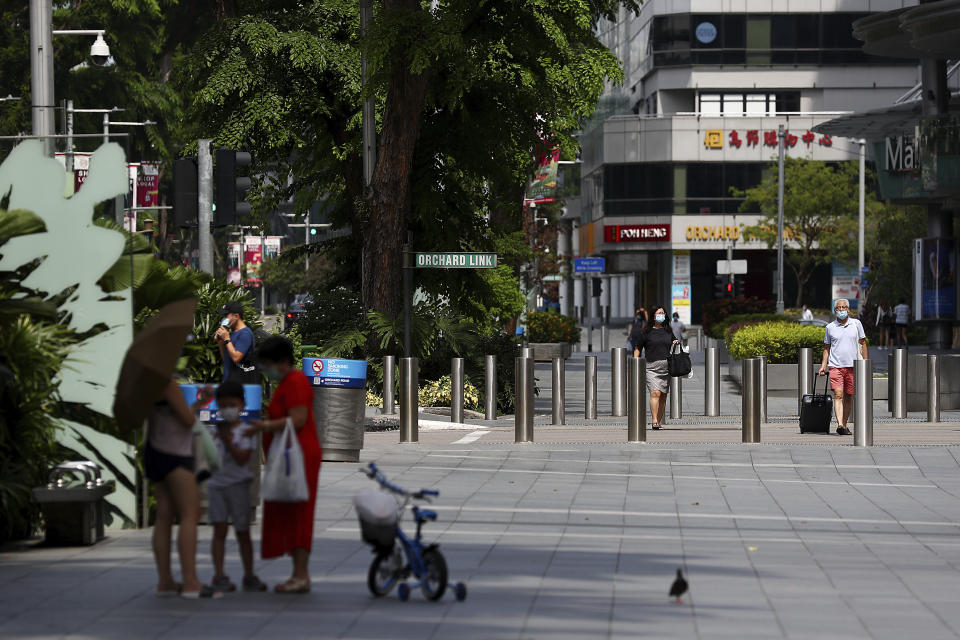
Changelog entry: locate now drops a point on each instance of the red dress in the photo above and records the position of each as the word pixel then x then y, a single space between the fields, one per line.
pixel 289 525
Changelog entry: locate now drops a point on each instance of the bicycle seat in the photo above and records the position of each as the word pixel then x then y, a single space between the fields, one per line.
pixel 425 514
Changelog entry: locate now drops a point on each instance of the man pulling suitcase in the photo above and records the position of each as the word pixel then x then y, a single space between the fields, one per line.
pixel 844 341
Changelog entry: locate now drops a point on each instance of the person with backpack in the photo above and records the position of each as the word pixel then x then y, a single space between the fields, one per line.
pixel 639 327
pixel 236 342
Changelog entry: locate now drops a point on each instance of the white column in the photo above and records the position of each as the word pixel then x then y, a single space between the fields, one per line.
pixel 616 311
pixel 578 296
pixel 605 296
pixel 629 296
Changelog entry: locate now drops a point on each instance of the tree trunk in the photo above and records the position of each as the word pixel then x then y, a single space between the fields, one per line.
pixel 390 197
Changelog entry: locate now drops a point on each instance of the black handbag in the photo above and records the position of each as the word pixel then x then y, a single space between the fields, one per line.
pixel 816 410
pixel 678 362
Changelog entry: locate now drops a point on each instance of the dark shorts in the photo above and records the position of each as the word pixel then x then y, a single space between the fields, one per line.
pixel 157 465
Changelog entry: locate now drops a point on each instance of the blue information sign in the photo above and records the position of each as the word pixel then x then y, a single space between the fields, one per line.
pixel 589 265
pixel 253 398
pixel 328 372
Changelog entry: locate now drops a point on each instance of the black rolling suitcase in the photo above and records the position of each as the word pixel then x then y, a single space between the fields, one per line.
pixel 816 410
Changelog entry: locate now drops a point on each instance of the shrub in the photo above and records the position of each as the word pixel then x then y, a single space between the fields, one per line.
pixel 780 342
pixel 717 310
pixel 439 393
pixel 550 326
pixel 735 323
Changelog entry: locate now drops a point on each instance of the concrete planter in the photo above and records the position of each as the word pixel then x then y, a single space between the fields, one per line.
pixel 917 382
pixel 783 380
pixel 547 351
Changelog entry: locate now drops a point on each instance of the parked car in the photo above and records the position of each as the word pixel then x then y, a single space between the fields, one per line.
pixel 815 322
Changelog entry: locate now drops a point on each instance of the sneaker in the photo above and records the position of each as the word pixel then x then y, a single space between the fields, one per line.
pixel 253 583
pixel 222 583
pixel 843 431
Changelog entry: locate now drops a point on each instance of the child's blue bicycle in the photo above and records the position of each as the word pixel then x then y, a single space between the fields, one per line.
pixel 397 556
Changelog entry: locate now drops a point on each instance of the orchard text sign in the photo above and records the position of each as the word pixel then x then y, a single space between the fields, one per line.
pixel 636 233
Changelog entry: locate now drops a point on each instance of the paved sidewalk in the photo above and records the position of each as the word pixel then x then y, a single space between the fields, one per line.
pixel 575 542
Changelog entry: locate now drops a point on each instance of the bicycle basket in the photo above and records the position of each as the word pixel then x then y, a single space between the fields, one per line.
pixel 377 513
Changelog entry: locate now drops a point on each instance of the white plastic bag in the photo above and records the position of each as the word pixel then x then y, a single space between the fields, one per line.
pixel 284 477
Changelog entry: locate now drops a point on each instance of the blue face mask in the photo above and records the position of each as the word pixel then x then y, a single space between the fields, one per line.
pixel 660 318
pixel 842 314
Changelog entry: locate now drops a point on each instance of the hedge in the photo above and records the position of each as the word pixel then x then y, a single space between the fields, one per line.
pixel 780 342
pixel 717 311
pixel 549 326
pixel 729 326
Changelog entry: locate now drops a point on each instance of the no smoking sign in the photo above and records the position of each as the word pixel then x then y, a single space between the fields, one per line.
pixel 317 366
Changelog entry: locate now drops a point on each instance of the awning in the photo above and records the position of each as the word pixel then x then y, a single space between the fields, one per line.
pixel 931 30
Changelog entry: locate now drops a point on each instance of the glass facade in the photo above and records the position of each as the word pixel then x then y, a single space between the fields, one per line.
pixel 759 39
pixel 678 187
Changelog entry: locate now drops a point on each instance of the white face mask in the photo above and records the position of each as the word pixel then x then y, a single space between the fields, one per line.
pixel 229 414
pixel 660 318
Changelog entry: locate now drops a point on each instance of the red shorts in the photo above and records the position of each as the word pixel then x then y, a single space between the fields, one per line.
pixel 842 378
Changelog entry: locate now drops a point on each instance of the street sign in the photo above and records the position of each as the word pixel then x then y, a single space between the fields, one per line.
pixel 727 267
pixel 455 260
pixel 589 265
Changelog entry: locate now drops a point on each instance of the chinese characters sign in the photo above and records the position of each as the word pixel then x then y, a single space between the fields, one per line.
pixel 752 138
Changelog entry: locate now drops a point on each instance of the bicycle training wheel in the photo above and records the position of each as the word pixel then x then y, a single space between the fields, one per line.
pixel 383 574
pixel 435 580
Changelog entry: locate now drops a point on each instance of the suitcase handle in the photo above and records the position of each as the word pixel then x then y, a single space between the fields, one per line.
pixel 826 383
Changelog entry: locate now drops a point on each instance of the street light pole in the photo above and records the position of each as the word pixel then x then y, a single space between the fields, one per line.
pixel 861 252
pixel 41 71
pixel 780 144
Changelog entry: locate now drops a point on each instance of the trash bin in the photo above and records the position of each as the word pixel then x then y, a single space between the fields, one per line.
pixel 73 503
pixel 339 405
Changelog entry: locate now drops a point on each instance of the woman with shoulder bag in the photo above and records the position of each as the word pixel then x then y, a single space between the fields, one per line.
pixel 288 526
pixel 655 343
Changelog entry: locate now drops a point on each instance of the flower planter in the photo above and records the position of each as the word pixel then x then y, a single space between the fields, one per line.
pixel 547 351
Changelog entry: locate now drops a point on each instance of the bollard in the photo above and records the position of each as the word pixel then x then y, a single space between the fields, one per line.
pixel 490 387
pixel 933 388
pixel 456 390
pixel 529 352
pixel 409 427
pixel 604 338
pixel 863 403
pixel 751 400
pixel 711 377
pixel 898 384
pixel 636 400
pixel 676 397
pixel 590 387
pixel 804 374
pixel 389 366
pixel 590 338
pixel 700 345
pixel 558 390
pixel 618 381
pixel 763 389
pixel 523 406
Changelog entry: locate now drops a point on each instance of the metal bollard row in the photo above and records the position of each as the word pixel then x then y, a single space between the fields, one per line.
pixel 711 377
pixel 751 401
pixel 523 406
pixel 898 383
pixel 590 387
pixel 558 390
pixel 409 400
pixel 676 397
pixel 933 388
pixel 456 390
pixel 805 375
pixel 863 403
pixel 389 366
pixel 636 400
pixel 490 387
pixel 618 381
pixel 763 389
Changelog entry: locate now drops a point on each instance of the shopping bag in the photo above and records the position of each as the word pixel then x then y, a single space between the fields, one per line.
pixel 678 362
pixel 816 410
pixel 206 455
pixel 284 477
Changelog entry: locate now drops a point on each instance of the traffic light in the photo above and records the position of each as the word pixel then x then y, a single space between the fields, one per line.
pixel 720 286
pixel 232 189
pixel 738 285
pixel 185 192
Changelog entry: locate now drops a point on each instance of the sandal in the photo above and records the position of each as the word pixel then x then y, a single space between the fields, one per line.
pixel 293 585
pixel 222 583
pixel 205 592
pixel 253 583
pixel 170 593
pixel 657 427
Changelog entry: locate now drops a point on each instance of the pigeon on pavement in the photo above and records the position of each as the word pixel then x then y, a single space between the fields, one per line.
pixel 679 586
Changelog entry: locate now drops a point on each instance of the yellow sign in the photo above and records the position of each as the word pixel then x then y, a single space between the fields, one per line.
pixel 713 139
pixel 713 233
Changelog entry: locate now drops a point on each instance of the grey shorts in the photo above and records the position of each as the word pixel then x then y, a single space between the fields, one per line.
pixel 230 504
pixel 658 376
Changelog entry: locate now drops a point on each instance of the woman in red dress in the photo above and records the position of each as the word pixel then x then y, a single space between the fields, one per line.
pixel 288 526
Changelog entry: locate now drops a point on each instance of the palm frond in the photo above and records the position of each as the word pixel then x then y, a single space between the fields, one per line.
pixel 343 344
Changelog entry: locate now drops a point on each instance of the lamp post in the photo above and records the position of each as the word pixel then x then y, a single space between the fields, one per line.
pixel 41 66
pixel 780 144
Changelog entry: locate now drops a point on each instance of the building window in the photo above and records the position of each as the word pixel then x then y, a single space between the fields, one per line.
pixel 750 104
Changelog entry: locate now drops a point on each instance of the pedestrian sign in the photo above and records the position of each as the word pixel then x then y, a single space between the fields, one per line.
pixel 455 260
pixel 589 265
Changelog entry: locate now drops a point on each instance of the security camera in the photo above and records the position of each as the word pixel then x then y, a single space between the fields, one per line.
pixel 99 51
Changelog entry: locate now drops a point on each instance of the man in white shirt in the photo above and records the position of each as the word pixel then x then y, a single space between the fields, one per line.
pixel 844 341
pixel 901 316
pixel 807 314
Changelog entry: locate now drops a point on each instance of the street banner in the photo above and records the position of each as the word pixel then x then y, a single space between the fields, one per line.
pixel 252 257
pixel 234 251
pixel 846 283
pixel 544 185
pixel 148 185
pixel 680 289
pixel 935 266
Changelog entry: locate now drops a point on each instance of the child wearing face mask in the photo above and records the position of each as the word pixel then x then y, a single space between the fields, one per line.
pixel 229 489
